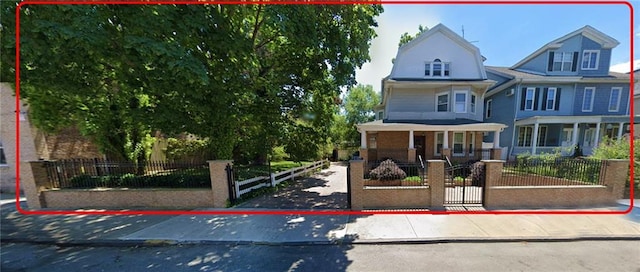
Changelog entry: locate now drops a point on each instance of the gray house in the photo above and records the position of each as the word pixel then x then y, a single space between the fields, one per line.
pixel 560 96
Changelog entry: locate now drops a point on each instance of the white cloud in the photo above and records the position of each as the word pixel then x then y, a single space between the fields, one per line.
pixel 624 67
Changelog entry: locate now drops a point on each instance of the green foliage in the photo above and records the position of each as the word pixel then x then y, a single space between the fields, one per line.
pixel 181 179
pixel 278 154
pixel 621 149
pixel 188 150
pixel 358 108
pixel 406 38
pixel 244 76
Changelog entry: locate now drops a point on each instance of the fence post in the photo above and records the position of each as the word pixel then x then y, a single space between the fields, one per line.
pixel 435 178
pixel 496 154
pixel 219 184
pixel 273 179
pixel 492 173
pixel 616 173
pixel 356 178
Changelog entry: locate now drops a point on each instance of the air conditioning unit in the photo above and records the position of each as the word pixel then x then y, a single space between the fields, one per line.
pixel 510 92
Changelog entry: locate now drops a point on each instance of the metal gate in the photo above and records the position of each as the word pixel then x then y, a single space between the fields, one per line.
pixel 464 184
pixel 349 186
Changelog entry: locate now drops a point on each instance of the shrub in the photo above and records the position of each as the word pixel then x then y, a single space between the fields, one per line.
pixel 477 173
pixel 387 170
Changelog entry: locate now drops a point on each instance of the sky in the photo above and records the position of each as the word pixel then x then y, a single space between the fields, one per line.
pixel 505 34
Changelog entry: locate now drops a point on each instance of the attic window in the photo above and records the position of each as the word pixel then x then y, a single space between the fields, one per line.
pixel 562 61
pixel 590 59
pixel 436 68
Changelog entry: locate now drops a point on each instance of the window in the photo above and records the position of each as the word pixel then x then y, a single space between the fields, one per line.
pixel 439 141
pixel 436 68
pixel 587 98
pixel 458 143
pixel 473 103
pixel 529 99
pixel 614 99
pixel 489 102
pixel 561 61
pixel 460 101
pixel 471 142
pixel 372 142
pixel 551 99
pixel 442 102
pixel 590 59
pixel 3 159
pixel 524 136
pixel 380 115
pixel 542 136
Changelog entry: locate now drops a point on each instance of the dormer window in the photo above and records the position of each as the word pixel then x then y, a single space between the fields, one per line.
pixel 590 59
pixel 562 61
pixel 436 68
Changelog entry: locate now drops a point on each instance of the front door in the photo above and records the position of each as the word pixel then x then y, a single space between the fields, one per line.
pixel 589 140
pixel 418 144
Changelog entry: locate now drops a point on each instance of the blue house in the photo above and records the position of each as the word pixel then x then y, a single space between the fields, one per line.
pixel 562 95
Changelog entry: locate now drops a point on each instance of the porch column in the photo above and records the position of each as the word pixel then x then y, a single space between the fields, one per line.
pixel 411 139
pixel 574 137
pixel 534 138
pixel 363 139
pixel 597 139
pixel 496 139
pixel 445 141
pixel 621 126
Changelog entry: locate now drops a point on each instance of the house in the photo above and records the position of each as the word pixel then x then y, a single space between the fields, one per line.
pixel 560 96
pixel 432 103
pixel 636 103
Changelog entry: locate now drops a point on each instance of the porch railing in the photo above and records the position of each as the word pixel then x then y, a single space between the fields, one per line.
pixel 552 172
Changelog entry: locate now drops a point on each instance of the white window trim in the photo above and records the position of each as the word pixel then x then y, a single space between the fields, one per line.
pixel 597 52
pixel 442 69
pixel 546 134
pixel 562 62
pixel 466 101
pixel 525 141
pixel 533 98
pixel 453 143
pixel 3 164
pixel 448 100
pixel 555 96
pixel 435 143
pixel 617 102
pixel 472 105
pixel 584 97
pixel 488 109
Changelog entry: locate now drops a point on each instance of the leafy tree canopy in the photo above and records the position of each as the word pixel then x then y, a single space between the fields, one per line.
pixel 246 77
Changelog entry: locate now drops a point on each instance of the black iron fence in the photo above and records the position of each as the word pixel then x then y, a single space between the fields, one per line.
pixel 99 173
pixel 552 172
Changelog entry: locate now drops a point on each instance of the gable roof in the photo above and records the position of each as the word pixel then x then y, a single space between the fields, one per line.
pixel 604 40
pixel 440 28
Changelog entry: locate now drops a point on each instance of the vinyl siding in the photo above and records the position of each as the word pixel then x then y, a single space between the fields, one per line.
pixel 565 105
pixel 601 99
pixel 421 104
pixel 603 62
pixel 503 113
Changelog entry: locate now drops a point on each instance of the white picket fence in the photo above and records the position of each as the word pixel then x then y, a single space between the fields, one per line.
pixel 276 178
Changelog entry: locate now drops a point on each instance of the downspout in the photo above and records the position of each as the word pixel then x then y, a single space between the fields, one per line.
pixel 515 117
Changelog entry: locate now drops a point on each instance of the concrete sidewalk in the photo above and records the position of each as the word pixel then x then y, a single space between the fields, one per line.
pixel 312 229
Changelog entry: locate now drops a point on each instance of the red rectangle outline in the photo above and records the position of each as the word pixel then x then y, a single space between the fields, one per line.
pixel 300 212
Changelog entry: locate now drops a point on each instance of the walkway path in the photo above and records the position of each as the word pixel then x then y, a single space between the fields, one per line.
pixel 325 190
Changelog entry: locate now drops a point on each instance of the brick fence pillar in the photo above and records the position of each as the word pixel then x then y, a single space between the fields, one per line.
pixel 493 173
pixel 411 155
pixel 219 183
pixel 41 179
pixel 616 173
pixel 435 178
pixel 356 175
pixel 446 152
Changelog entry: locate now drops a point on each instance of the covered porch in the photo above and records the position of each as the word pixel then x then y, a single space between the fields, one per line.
pixel 566 134
pixel 411 142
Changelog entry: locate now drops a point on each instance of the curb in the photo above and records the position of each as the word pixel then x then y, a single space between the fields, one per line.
pixel 162 243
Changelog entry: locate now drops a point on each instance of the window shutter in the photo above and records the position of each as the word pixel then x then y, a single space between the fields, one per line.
pixel 550 66
pixel 536 95
pixel 574 66
pixel 523 97
pixel 557 107
pixel 544 98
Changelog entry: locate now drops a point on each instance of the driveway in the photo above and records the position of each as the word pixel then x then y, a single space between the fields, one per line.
pixel 325 190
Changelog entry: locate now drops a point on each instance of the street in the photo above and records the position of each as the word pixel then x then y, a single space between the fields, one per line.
pixel 516 256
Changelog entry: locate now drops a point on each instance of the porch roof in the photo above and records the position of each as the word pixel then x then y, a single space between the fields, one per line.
pixel 576 119
pixel 430 125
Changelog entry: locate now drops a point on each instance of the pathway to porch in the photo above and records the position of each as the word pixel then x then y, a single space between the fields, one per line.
pixel 325 190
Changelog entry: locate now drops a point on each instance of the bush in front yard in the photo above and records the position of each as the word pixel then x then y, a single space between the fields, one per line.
pixel 477 173
pixel 387 170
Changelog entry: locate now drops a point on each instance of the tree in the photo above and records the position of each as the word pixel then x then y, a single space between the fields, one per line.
pixel 405 37
pixel 245 77
pixel 358 108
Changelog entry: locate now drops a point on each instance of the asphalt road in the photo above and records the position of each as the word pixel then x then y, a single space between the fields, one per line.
pixel 522 256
